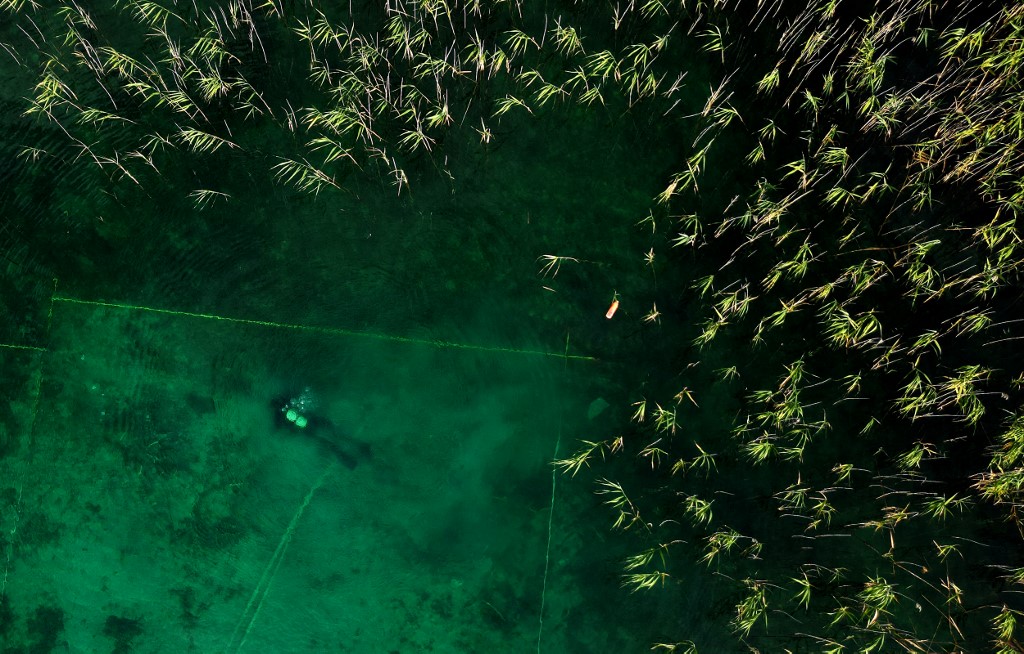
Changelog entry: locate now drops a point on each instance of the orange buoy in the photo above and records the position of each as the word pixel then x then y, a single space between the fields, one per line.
pixel 612 309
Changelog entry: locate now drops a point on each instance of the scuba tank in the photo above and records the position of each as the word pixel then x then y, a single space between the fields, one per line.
pixel 297 410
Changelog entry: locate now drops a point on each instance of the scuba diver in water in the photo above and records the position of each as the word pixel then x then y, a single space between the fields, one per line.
pixel 298 415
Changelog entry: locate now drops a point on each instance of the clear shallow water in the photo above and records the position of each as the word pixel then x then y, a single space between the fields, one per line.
pixel 167 483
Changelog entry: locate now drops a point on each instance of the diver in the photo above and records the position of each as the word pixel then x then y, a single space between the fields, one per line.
pixel 298 414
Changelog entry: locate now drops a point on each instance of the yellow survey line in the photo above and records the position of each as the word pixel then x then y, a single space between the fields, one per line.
pixel 22 347
pixel 330 331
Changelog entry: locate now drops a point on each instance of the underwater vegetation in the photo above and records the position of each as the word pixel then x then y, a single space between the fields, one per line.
pixel 825 413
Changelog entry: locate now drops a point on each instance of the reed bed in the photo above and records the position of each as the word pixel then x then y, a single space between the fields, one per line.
pixel 833 264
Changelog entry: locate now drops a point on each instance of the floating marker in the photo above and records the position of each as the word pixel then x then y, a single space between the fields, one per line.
pixel 612 309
